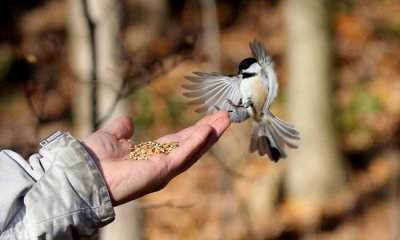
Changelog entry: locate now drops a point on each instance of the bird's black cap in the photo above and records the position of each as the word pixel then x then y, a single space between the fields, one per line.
pixel 246 63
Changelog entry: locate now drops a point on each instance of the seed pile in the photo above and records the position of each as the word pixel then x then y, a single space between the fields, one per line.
pixel 145 150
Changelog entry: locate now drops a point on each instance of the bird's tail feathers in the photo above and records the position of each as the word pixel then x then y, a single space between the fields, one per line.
pixel 271 135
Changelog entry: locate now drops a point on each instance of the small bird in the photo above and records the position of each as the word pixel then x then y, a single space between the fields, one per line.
pixel 249 93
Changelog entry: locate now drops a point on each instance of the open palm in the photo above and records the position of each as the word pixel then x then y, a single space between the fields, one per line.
pixel 127 179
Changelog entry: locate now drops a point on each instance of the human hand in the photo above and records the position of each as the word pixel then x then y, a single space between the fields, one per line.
pixel 127 179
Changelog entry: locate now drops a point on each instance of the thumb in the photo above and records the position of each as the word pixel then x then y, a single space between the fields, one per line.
pixel 121 127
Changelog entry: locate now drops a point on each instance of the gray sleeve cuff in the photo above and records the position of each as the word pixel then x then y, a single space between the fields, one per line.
pixel 71 192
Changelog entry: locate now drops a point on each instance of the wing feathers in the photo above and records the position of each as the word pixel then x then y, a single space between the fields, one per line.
pixel 211 91
pixel 270 81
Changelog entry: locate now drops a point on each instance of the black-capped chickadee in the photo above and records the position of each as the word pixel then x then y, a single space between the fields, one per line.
pixel 250 93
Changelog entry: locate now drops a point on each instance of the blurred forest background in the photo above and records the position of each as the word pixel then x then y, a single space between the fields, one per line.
pixel 74 64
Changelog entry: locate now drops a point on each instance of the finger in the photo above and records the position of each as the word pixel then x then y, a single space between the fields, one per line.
pixel 122 127
pixel 218 127
pixel 211 118
pixel 190 146
pixel 219 120
pixel 179 136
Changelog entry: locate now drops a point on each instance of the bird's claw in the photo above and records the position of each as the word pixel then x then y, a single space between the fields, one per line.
pixel 217 108
pixel 232 104
pixel 239 105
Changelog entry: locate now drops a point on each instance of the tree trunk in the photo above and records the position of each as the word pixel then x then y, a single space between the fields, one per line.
pixel 210 43
pixel 316 171
pixel 95 61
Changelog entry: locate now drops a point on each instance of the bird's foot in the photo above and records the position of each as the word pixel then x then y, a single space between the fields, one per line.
pixel 239 105
pixel 217 108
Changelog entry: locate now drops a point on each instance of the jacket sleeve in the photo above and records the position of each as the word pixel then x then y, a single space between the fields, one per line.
pixel 58 194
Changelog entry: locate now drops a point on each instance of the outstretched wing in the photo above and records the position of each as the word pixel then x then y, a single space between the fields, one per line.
pixel 268 74
pixel 211 91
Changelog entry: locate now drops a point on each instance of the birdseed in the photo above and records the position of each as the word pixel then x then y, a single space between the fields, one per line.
pixel 145 150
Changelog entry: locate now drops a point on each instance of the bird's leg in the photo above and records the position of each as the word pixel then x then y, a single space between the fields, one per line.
pixel 239 105
pixel 252 110
pixel 231 104
pixel 236 106
pixel 249 103
pixel 216 107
